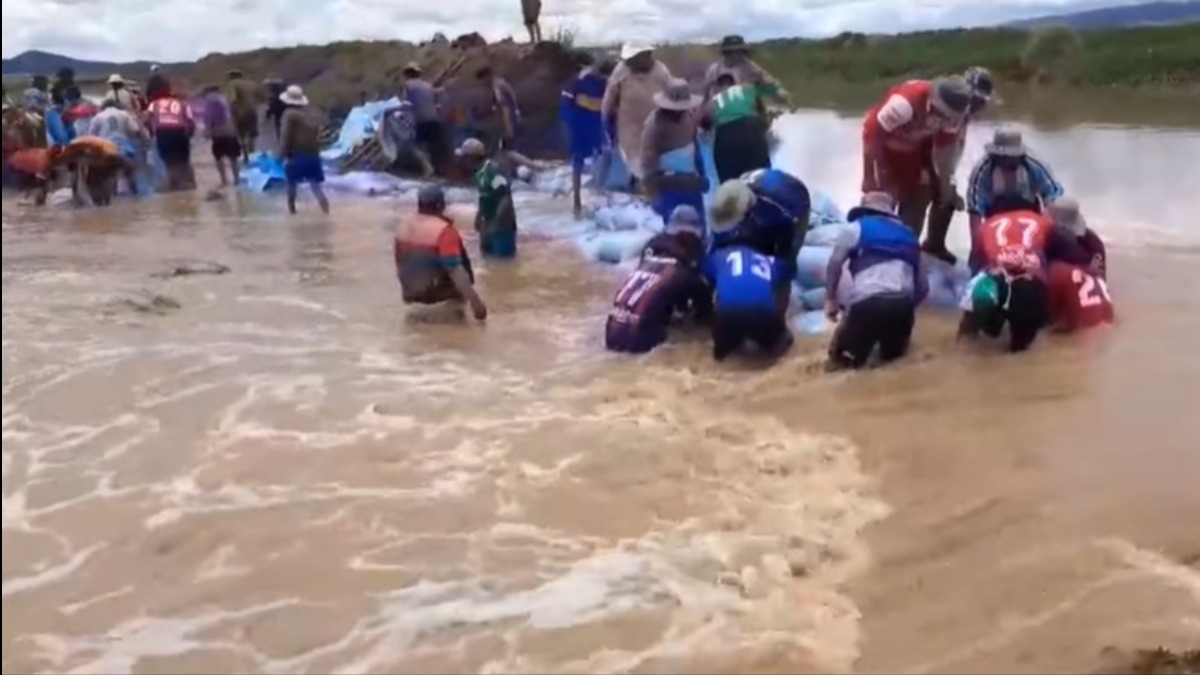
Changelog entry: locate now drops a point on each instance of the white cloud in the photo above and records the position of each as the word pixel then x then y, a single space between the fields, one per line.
pixel 186 29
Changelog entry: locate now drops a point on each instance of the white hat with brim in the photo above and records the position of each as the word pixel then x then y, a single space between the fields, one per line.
pixel 631 50
pixel 294 95
pixel 116 79
pixel 684 218
pixel 730 204
pixel 472 147
pixel 1006 143
pixel 1065 213
pixel 873 204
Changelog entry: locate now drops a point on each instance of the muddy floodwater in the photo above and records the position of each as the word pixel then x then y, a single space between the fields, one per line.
pixel 280 469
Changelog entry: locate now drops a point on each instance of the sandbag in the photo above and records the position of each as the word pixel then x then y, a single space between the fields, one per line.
pixel 813 298
pixel 825 235
pixel 813 323
pixel 811 265
pixel 614 248
pixel 360 124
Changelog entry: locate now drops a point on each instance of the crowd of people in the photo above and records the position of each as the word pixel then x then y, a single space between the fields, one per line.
pixel 1035 263
pixel 729 265
pixel 56 133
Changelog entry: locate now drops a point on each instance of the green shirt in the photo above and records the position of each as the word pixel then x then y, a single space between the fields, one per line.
pixel 740 101
pixel 493 188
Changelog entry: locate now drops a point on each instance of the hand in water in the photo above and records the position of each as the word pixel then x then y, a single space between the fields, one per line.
pixel 831 310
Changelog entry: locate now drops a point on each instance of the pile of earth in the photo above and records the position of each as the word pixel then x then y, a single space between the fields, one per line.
pixel 341 75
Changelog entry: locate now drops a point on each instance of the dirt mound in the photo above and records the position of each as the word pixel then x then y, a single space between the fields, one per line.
pixel 341 75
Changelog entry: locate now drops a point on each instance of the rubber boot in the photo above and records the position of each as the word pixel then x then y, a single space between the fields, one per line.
pixel 940 217
pixel 912 210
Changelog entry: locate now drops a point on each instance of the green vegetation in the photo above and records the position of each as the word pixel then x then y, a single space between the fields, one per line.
pixel 1160 55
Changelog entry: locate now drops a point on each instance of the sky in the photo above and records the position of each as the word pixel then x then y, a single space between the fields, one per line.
pixel 181 30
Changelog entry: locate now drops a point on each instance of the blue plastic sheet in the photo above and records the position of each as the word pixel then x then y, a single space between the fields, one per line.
pixel 358 126
pixel 263 172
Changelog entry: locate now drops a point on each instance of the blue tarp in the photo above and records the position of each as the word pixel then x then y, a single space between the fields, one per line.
pixel 263 172
pixel 359 125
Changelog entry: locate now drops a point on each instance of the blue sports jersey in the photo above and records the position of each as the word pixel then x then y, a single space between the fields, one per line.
pixel 742 277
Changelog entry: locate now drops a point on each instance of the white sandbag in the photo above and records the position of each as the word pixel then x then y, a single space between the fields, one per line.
pixel 826 235
pixel 811 264
pixel 614 248
pixel 813 298
pixel 813 323
pixel 369 183
pixel 824 210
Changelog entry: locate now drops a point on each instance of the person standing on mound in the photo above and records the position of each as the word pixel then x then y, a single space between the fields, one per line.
pixel 431 263
pixel 496 217
pixel 300 148
pixel 886 285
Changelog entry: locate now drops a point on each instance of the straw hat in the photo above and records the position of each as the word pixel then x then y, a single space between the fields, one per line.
pixel 732 201
pixel 873 203
pixel 677 96
pixel 294 95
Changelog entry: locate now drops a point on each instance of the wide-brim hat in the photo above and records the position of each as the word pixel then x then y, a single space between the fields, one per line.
pixel 413 67
pixel 1065 213
pixel 677 96
pixel 294 95
pixel 116 79
pixel 730 204
pixel 1006 143
pixel 632 49
pixel 873 204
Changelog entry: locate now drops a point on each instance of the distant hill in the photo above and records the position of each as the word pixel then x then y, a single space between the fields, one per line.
pixel 35 62
pixel 1124 16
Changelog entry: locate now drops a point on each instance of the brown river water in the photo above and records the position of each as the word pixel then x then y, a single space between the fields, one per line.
pixel 282 470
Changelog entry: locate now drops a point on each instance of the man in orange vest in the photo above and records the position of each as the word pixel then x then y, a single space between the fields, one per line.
pixel 431 262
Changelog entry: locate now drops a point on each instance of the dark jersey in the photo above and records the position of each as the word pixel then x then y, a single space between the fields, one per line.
pixel 666 281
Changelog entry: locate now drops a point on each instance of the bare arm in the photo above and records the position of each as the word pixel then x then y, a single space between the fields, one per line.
pixel 462 282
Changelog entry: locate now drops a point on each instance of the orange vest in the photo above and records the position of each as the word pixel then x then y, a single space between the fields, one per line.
pixel 415 248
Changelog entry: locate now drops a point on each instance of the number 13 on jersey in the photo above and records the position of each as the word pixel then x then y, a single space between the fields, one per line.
pixel 759 265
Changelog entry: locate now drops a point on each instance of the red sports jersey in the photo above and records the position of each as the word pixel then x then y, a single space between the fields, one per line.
pixel 1016 241
pixel 1078 299
pixel 169 113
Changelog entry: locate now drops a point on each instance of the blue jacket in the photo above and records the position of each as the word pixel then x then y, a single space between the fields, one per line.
pixel 1034 183
pixel 579 111
pixel 883 239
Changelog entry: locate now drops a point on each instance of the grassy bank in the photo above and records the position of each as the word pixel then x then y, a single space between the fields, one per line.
pixel 1163 56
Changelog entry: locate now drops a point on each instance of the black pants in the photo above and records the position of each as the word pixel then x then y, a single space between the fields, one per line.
pixel 764 326
pixel 883 320
pixel 740 147
pixel 174 146
pixel 1025 309
pixel 431 136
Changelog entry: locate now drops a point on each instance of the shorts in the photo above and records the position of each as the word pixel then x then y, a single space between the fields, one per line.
pixel 883 320
pixel 247 125
pixel 226 147
pixel 741 146
pixel 499 244
pixel 174 146
pixel 764 326
pixel 304 169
